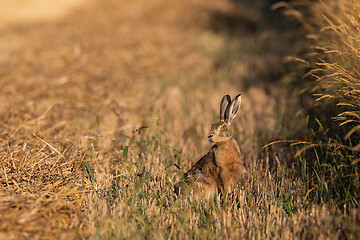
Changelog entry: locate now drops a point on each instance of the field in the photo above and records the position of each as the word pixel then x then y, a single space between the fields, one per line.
pixel 99 100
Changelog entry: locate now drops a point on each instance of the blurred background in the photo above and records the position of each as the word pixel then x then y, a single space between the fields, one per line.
pixel 99 99
pixel 128 64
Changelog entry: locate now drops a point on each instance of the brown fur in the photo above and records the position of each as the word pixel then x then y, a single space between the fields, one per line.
pixel 222 166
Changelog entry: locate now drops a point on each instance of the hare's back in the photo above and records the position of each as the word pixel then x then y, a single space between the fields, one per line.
pixel 205 169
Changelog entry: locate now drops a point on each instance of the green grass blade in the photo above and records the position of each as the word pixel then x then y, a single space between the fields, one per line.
pixel 89 170
pixel 144 179
pixel 125 153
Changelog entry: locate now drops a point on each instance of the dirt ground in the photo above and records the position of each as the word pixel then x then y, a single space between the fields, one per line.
pixel 72 72
pixel 22 12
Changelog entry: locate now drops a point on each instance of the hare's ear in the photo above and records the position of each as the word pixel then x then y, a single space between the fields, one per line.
pixel 233 109
pixel 225 101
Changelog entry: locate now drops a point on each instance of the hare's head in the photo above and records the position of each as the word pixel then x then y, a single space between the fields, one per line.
pixel 228 109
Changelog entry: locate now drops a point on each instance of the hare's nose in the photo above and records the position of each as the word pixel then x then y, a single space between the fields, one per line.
pixel 209 137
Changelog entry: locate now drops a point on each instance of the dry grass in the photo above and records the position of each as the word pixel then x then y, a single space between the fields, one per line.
pixel 333 28
pixel 98 106
pixel 339 40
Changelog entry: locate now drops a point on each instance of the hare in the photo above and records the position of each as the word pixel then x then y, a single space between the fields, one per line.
pixel 222 166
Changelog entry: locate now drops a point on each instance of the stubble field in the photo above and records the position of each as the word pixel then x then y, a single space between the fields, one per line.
pixel 98 104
